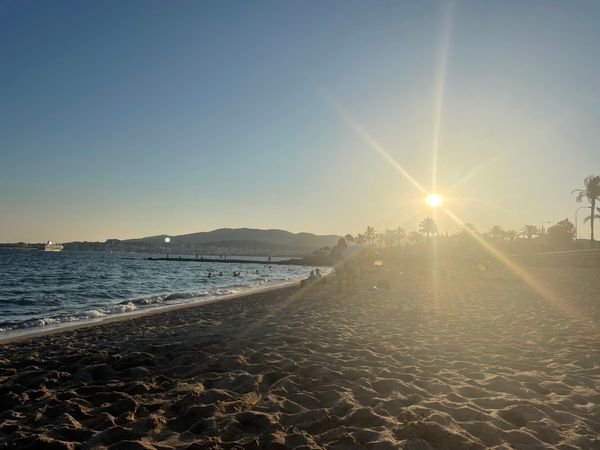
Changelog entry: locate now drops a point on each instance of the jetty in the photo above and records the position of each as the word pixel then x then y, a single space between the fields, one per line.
pixel 308 261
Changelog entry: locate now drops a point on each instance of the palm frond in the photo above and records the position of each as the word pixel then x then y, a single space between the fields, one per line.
pixel 591 189
pixel 588 218
pixel 580 196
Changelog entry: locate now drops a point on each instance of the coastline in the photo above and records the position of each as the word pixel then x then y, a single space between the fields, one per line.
pixel 466 360
pixel 70 326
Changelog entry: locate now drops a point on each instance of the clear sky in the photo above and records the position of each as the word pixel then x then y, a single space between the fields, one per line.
pixel 131 118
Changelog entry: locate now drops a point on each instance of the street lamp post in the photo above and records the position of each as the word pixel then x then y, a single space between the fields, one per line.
pixel 576 211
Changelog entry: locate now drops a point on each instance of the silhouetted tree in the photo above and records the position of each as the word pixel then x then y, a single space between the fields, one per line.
pixel 591 192
pixel 592 217
pixel 370 235
pixel 390 238
pixel 511 235
pixel 415 237
pixel 380 237
pixel 529 231
pixel 323 251
pixel 349 238
pixel 360 239
pixel 468 229
pixel 496 232
pixel 400 234
pixel 562 233
pixel 428 227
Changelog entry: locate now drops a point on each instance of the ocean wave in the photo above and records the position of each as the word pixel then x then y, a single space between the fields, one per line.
pixel 95 313
pixel 122 308
pixel 38 306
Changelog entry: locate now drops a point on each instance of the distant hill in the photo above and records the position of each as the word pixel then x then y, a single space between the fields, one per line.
pixel 224 241
pixel 246 237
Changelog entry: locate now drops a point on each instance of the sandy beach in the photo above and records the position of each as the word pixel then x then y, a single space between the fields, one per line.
pixel 466 360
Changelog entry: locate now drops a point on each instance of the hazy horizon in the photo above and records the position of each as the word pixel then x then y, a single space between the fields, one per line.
pixel 124 120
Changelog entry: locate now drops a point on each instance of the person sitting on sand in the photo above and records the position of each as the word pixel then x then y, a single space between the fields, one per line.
pixel 311 278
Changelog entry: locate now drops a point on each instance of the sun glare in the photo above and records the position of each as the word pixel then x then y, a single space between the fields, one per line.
pixel 434 200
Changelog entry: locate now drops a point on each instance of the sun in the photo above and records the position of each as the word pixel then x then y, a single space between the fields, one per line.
pixel 434 200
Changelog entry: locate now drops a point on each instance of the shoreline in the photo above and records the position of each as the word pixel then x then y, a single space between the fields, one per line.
pixel 117 317
pixel 464 360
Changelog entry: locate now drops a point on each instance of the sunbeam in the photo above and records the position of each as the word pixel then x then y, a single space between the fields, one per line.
pixel 545 293
pixel 523 144
pixel 374 145
pixel 475 170
pixel 447 19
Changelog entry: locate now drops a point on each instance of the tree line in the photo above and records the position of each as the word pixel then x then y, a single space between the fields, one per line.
pixel 561 234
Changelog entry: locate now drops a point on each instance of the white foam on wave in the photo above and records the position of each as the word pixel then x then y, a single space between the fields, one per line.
pixel 122 308
pixel 95 313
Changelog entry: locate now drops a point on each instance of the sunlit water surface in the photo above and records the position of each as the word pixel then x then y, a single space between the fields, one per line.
pixel 42 289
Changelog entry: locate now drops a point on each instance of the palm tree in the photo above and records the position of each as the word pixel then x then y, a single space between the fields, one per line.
pixel 496 232
pixel 529 231
pixel 415 237
pixel 511 235
pixel 596 216
pixel 428 227
pixel 349 238
pixel 591 191
pixel 390 238
pixel 380 239
pixel 468 229
pixel 370 234
pixel 400 234
pixel 360 238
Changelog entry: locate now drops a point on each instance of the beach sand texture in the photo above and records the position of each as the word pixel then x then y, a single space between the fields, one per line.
pixel 485 363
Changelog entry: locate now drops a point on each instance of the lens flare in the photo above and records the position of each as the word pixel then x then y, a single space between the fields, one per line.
pixel 434 200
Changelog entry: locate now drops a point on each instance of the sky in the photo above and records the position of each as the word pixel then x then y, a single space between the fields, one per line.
pixel 122 119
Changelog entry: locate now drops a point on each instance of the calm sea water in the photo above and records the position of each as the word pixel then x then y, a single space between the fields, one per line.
pixel 42 289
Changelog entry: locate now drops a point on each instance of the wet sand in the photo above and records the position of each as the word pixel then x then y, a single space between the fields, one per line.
pixel 469 360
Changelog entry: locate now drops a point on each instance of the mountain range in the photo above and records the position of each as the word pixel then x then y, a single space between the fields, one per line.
pixel 230 241
pixel 307 241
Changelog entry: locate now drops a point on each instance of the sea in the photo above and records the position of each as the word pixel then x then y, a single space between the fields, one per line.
pixel 42 290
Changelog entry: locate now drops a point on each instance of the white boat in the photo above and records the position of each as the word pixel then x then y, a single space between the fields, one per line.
pixel 50 247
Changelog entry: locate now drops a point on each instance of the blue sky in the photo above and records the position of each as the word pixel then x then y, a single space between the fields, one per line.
pixel 125 118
